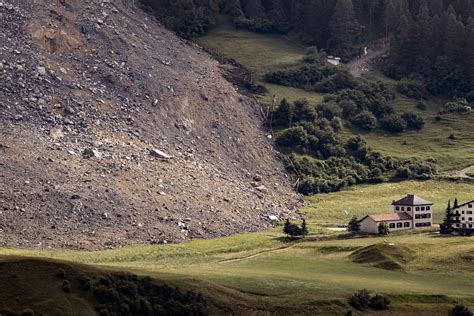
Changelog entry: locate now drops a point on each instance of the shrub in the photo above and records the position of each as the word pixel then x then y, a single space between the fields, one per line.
pixel 295 137
pixel 383 229
pixel 348 107
pixel 379 302
pixel 421 106
pixel 365 120
pixel 461 310
pixel 291 229
pixel 360 300
pixel 393 123
pixel 283 116
pixel 337 124
pixel 413 121
pixel 27 312
pixel 66 287
pixel 354 225
pixel 456 106
pixel 61 273
pixel 412 89
pixel 304 111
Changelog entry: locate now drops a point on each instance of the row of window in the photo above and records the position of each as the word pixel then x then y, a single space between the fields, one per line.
pixel 422 224
pixel 418 208
pixel 464 212
pixel 469 219
pixel 464 225
pixel 418 216
pixel 399 225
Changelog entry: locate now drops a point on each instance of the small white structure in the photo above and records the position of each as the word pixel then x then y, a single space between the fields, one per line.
pixel 336 61
pixel 462 216
pixel 408 213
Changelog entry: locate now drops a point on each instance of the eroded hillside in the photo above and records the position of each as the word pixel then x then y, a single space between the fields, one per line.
pixel 95 97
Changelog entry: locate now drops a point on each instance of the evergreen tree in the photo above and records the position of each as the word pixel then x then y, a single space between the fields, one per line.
pixel 446 226
pixel 354 225
pixel 287 227
pixel 344 29
pixel 455 203
pixel 390 17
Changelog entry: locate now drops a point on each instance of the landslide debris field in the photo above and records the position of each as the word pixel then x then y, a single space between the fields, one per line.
pixel 115 131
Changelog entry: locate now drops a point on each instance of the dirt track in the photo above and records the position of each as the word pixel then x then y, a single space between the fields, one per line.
pixel 359 66
pixel 463 173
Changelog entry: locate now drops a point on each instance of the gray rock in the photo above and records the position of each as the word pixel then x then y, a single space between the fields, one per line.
pixel 159 154
pixel 91 153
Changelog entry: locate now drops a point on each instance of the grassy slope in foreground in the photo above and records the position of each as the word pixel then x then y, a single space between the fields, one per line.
pixel 261 272
pixel 261 53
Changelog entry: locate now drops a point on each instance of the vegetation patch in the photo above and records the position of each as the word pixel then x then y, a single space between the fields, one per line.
pixel 384 256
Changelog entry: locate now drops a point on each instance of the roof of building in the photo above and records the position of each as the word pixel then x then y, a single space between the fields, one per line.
pixel 412 199
pixel 401 216
pixel 472 201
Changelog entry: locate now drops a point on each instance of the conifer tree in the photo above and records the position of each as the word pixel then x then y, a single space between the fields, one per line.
pixel 344 28
pixel 446 226
pixel 354 225
pixel 390 17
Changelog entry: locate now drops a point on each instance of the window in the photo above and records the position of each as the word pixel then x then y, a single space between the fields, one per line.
pixel 392 225
pixel 422 208
pixel 469 212
pixel 428 208
pixel 397 208
pixel 408 208
pixel 417 216
pixel 463 212
pixel 463 219
pixel 470 225
pixel 470 206
pixel 470 219
pixel 457 225
pixel 417 208
pixel 399 225
pixel 406 224
pixel 403 208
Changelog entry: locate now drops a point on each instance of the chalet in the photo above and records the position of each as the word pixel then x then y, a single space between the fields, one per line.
pixel 462 216
pixel 408 213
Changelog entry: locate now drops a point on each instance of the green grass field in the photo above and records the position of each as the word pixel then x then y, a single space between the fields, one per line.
pixel 262 273
pixel 328 209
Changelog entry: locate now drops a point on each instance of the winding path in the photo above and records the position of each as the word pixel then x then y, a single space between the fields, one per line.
pixel 463 173
pixel 359 66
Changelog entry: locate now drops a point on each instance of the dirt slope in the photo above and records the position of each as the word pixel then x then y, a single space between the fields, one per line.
pixel 87 89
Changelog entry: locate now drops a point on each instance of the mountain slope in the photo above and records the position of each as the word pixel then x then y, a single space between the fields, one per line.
pixel 95 96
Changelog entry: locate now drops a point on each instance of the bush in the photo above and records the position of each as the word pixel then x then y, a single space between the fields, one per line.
pixel 421 106
pixel 66 287
pixel 393 123
pixel 457 106
pixel 293 137
pixel 354 225
pixel 365 120
pixel 379 302
pixel 413 121
pixel 461 310
pixel 61 273
pixel 412 89
pixel 383 229
pixel 27 312
pixel 360 300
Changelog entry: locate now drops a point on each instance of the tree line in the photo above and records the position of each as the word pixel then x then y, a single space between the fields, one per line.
pixel 430 40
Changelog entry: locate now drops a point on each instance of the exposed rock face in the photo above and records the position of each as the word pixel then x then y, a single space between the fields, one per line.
pixel 81 79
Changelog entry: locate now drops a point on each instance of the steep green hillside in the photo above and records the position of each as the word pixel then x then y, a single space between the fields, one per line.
pixel 262 53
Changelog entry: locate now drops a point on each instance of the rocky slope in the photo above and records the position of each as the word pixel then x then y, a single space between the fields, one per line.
pixel 114 131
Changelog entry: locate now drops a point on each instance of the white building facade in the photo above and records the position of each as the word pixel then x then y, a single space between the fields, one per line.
pixel 462 216
pixel 408 213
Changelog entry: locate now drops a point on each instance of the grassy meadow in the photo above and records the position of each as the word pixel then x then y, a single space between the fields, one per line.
pixel 263 273
pixel 360 200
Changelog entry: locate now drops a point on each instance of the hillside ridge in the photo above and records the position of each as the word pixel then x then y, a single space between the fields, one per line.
pixel 115 131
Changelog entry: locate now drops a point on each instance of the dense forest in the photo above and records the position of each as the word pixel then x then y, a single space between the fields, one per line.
pixel 441 59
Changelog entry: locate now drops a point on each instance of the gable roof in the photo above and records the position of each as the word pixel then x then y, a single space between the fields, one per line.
pixel 472 201
pixel 412 199
pixel 401 216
